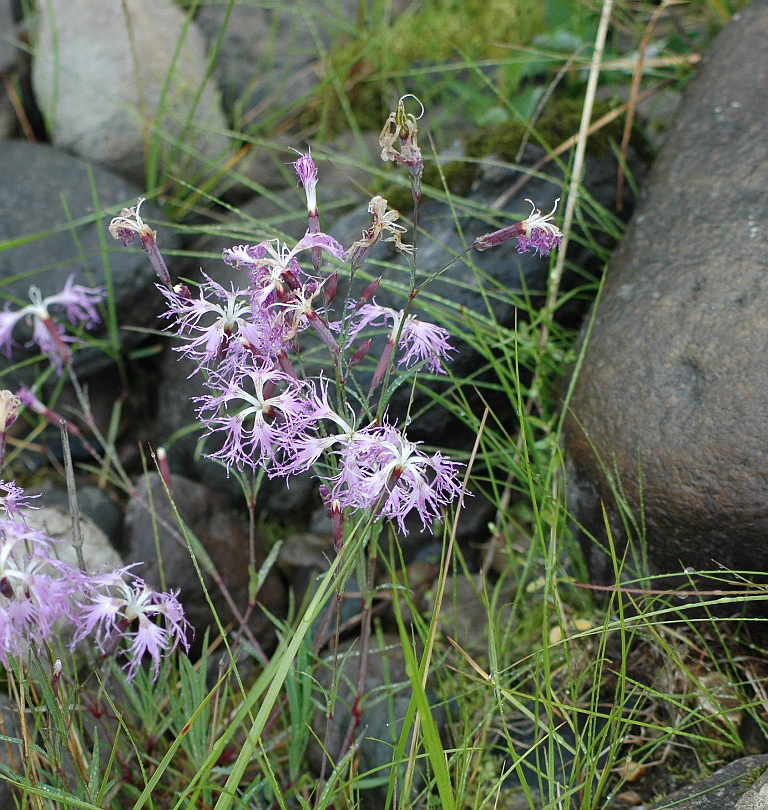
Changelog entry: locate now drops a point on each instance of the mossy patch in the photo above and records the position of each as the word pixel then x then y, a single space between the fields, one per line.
pixel 425 36
pixel 557 123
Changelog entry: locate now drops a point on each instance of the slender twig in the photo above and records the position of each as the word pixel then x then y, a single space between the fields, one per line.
pixel 74 508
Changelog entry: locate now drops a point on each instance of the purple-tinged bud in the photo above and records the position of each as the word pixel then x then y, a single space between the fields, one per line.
pixel 368 293
pixel 286 365
pixel 360 353
pixel 323 332
pixel 382 365
pixel 331 287
pixel 337 522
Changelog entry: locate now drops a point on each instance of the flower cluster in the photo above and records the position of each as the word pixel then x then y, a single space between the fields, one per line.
pixel 78 304
pixel 38 593
pixel 248 340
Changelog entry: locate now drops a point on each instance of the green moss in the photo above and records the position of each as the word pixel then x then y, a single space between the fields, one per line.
pixel 428 34
pixel 556 124
pixel 751 776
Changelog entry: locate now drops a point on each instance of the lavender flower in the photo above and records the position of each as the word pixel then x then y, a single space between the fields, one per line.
pixel 422 342
pixel 537 232
pixel 122 607
pixel 13 500
pixel 38 591
pixel 214 326
pixel 79 305
pixel 264 420
pixel 380 469
pixel 274 267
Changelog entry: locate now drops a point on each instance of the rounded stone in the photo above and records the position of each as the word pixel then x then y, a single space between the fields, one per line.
pixel 668 422
pixel 54 213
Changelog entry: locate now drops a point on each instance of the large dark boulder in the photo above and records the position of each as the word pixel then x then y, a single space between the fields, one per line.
pixel 670 407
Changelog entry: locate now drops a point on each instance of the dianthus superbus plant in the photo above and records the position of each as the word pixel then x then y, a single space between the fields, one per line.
pixel 270 415
pixel 267 415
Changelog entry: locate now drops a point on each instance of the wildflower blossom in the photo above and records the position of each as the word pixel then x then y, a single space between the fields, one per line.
pixel 316 436
pixel 259 411
pixel 36 591
pixel 421 341
pixel 129 225
pixel 79 305
pixel 13 500
pixel 213 325
pixel 273 265
pixel 380 468
pixel 384 221
pixel 122 607
pixel 537 232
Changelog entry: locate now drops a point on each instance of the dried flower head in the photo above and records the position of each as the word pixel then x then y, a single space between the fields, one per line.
pixel 401 126
pixel 384 221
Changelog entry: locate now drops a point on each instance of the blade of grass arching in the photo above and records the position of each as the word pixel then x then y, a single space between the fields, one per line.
pixel 273 678
pixel 51 794
pixel 420 703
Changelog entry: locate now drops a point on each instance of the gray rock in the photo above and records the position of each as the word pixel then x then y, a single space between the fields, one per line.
pixel 98 553
pixel 10 59
pixel 755 797
pixel 104 96
pixel 54 232
pixel 739 784
pixel 671 396
pixel 269 58
pixel 93 502
pixel 225 540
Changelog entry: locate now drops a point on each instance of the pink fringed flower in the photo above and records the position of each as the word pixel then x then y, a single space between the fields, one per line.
pixel 122 607
pixel 537 232
pixel 79 306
